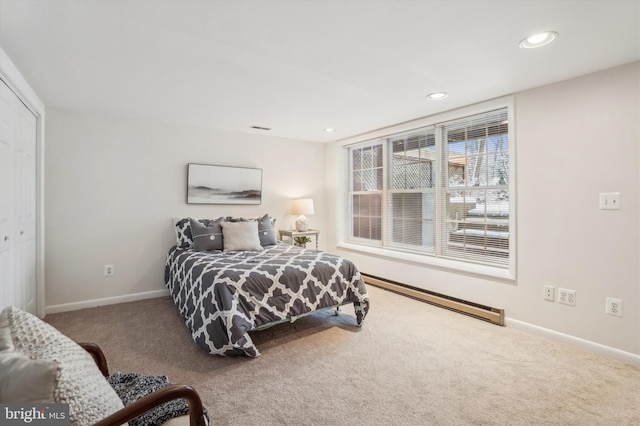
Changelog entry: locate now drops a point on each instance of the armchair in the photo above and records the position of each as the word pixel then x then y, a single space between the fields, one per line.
pixel 40 364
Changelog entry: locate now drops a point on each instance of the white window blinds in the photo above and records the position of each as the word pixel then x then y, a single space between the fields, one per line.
pixel 475 195
pixel 365 192
pixel 411 195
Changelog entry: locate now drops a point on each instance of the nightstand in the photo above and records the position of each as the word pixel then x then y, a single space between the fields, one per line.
pixel 292 234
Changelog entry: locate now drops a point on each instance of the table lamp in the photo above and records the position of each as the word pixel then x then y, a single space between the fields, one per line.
pixel 302 206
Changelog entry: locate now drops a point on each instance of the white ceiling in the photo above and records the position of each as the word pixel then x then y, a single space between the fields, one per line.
pixel 301 66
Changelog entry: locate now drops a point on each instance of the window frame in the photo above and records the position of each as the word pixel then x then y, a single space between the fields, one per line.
pixel 506 272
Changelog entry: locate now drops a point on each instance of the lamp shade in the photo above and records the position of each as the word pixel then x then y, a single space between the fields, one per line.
pixel 302 206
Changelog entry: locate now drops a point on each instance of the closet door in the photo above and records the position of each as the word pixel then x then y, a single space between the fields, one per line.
pixel 7 142
pixel 25 207
pixel 17 203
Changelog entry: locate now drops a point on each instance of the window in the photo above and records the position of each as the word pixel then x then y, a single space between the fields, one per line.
pixel 366 192
pixel 441 191
pixel 412 193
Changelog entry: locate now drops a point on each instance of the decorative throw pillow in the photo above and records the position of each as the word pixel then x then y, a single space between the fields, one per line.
pixel 236 219
pixel 6 341
pixel 240 236
pixel 245 219
pixel 207 238
pixel 23 379
pixel 79 382
pixel 184 239
pixel 182 227
pixel 26 380
pixel 266 234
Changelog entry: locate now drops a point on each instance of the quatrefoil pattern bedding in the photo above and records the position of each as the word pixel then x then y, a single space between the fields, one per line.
pixel 222 296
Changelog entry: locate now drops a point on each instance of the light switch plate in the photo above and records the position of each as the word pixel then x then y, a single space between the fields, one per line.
pixel 609 201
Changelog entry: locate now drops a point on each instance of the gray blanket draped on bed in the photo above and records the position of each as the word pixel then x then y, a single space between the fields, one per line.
pixel 222 296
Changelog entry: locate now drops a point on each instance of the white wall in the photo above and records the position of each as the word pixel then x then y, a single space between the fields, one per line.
pixel 574 139
pixel 113 186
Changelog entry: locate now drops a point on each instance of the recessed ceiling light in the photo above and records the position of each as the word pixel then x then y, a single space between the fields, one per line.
pixel 538 40
pixel 329 129
pixel 437 95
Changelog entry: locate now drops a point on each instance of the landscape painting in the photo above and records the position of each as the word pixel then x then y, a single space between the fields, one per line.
pixel 207 184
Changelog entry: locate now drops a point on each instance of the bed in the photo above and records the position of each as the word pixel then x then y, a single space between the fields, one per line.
pixel 224 294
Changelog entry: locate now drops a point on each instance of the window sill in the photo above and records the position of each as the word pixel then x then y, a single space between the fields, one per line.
pixel 472 268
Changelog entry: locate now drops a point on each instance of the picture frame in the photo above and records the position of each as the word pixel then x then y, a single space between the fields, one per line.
pixel 211 184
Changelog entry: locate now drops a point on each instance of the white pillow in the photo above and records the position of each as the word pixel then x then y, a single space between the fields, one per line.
pixel 79 382
pixel 23 379
pixel 240 236
pixel 26 380
pixel 6 341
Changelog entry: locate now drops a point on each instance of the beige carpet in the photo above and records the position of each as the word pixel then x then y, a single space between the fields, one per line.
pixel 410 364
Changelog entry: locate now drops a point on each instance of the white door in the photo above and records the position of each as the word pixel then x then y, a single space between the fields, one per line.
pixel 7 142
pixel 25 207
pixel 18 203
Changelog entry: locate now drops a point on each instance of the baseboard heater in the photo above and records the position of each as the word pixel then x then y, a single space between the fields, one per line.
pixel 485 313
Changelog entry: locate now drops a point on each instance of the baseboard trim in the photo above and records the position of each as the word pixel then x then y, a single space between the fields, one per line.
pixel 74 306
pixel 587 345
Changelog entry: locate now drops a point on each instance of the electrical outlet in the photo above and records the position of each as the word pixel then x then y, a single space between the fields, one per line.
pixel 108 270
pixel 549 292
pixel 566 296
pixel 613 306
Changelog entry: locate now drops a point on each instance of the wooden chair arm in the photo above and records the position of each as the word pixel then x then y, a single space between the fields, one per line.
pixel 148 402
pixel 159 397
pixel 98 356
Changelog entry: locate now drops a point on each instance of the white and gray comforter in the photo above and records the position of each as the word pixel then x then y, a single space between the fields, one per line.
pixel 222 296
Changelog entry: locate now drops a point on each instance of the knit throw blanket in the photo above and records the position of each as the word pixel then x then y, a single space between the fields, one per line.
pixel 131 386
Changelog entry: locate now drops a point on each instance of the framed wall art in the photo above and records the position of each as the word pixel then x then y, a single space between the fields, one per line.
pixel 208 184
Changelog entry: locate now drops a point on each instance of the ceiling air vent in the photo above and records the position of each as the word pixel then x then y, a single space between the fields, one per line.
pixel 260 128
